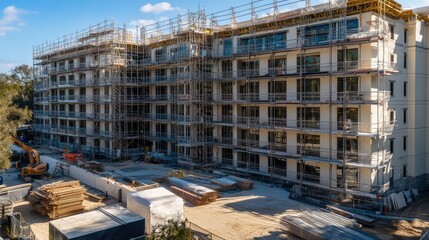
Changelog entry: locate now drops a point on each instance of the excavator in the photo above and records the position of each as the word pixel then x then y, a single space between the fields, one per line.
pixel 34 168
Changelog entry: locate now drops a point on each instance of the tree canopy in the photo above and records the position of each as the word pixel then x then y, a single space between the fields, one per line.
pixel 15 94
pixel 171 230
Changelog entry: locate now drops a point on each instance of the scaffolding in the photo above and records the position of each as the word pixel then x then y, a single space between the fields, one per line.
pixel 188 90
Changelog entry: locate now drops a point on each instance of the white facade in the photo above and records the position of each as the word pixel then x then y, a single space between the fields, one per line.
pixel 342 109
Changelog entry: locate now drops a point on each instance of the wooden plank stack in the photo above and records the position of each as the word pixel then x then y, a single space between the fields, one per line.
pixel 190 197
pixel 194 193
pixel 6 206
pixel 224 184
pixel 242 183
pixel 58 199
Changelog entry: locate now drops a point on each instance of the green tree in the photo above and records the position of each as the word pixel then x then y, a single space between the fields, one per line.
pixel 172 230
pixel 11 116
pixel 23 76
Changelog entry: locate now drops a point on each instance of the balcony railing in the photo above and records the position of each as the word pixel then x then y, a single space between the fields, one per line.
pixel 354 97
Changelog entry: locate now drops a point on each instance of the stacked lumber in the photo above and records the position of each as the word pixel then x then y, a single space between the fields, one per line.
pixel 6 206
pixel 190 197
pixel 205 194
pixel 242 183
pixel 322 225
pixel 224 184
pixel 58 199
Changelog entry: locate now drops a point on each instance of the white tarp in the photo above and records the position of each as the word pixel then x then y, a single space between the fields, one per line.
pixel 155 205
pixel 191 187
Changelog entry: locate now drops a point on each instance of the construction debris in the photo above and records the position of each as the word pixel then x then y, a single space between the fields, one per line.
pixel 205 193
pixel 242 183
pixel 58 199
pixel 91 166
pixel 322 225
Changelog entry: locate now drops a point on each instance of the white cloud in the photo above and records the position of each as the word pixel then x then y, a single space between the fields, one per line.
pixel 157 8
pixel 142 22
pixel 6 66
pixel 11 19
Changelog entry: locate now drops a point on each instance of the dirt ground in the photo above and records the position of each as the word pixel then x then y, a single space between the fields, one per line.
pixel 237 214
pixel 402 229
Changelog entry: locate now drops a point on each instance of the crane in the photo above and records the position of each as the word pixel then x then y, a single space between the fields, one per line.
pixel 34 168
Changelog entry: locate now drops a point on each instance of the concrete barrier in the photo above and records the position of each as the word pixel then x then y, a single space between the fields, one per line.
pixel 108 186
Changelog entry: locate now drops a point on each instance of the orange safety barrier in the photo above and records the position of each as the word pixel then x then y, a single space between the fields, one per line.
pixel 73 157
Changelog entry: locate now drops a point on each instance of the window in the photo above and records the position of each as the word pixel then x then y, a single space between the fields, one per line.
pixel 404 143
pixel 277 90
pixel 311 64
pixel 277 116
pixel 351 116
pixel 391 145
pixel 248 69
pixel 351 60
pixel 278 66
pixel 392 116
pixel 227 47
pixel 226 91
pixel 227 69
pixel 392 59
pixel 308 145
pixel 227 156
pixel 308 117
pixel 404 171
pixel 347 148
pixel 405 115
pixel 405 60
pixel 227 113
pixel 278 140
pixel 392 88
pixel 392 31
pixel 308 89
pixel 405 88
pixel 405 35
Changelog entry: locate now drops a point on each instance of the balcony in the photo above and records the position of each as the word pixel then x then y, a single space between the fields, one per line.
pixel 349 97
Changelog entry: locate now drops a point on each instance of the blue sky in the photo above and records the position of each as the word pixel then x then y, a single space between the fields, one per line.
pixel 24 23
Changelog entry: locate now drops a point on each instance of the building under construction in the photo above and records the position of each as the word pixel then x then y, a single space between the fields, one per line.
pixel 331 96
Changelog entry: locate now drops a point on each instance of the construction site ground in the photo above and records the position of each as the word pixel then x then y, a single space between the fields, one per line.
pixel 236 214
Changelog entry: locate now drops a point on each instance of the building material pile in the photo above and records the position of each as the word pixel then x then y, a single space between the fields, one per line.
pixel 397 201
pixel 196 194
pixel 16 193
pixel 322 225
pixel 58 199
pixel 224 184
pixel 156 206
pixel 242 183
pixel 91 166
pixel 6 206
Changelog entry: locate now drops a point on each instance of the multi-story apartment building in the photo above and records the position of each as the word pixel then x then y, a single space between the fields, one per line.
pixel 331 97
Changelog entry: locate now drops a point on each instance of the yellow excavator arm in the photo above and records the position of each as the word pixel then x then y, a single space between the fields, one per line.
pixel 33 155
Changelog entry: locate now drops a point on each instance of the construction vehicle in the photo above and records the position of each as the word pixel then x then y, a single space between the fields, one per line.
pixel 35 168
